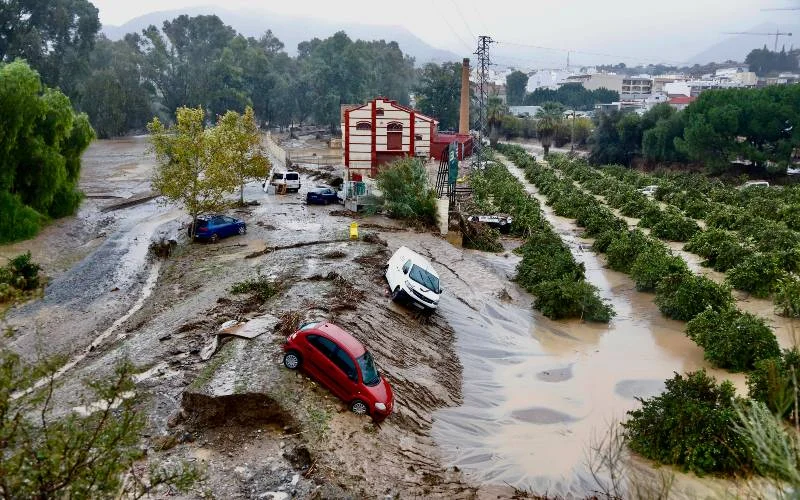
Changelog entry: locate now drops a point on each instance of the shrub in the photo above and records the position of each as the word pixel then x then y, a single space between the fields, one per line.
pixel 651 215
pixel 653 264
pixel 17 220
pixel 773 382
pixel 406 193
pixel 725 217
pixel 604 239
pixel 690 425
pixel 787 296
pixel 624 249
pixel 598 220
pixel 719 247
pixel 261 287
pixel 674 226
pixel 757 274
pixel 567 298
pixel 683 296
pixel 480 236
pixel 732 339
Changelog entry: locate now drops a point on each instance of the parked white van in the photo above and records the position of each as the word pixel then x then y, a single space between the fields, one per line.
pixel 290 179
pixel 411 276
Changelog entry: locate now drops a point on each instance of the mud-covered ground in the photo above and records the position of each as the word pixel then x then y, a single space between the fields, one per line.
pixel 256 429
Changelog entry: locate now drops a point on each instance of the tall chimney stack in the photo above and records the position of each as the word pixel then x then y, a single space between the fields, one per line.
pixel 463 114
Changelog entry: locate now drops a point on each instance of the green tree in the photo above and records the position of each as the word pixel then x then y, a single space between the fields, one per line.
pixel 406 192
pixel 55 37
pixel 758 125
pixel 41 142
pixel 764 62
pixel 237 145
pixel 188 170
pixel 516 84
pixel 438 93
pixel 495 111
pixel 74 456
pixel 549 118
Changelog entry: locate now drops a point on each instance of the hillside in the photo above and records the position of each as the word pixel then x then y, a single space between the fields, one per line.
pixel 292 30
pixel 736 47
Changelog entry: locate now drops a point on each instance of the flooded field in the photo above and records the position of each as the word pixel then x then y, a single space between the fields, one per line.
pixel 491 395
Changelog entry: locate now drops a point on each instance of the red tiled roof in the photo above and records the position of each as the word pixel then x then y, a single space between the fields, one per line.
pixel 682 100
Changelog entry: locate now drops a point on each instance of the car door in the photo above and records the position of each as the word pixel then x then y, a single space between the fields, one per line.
pixel 347 377
pixel 318 361
pixel 230 226
pixel 331 371
pixel 214 226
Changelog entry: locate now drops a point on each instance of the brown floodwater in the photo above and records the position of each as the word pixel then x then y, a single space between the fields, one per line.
pixel 537 392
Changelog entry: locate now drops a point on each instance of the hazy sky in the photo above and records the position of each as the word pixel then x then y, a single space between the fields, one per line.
pixel 669 31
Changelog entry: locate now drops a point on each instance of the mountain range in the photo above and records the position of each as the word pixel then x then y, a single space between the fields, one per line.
pixel 736 47
pixel 292 30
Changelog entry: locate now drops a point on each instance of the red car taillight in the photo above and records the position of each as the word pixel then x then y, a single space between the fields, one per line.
pixel 202 229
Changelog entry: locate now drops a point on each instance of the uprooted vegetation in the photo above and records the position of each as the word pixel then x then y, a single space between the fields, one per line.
pixel 19 279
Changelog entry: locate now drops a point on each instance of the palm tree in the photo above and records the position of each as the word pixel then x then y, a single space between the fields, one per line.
pixel 495 110
pixel 549 118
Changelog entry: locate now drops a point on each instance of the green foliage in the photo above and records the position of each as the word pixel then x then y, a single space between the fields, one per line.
pixel 746 124
pixel 407 195
pixel 720 248
pixel 764 62
pixel 653 264
pixel 191 169
pixel 237 144
pixel 758 274
pixel 480 236
pixel 439 92
pixel 674 226
pixel 516 82
pixel 572 96
pixel 75 456
pixel 260 287
pixel 690 425
pixel 623 250
pixel 683 296
pixel 732 339
pixel 41 142
pixel 54 37
pixel 787 296
pixel 773 382
pixel 566 298
pixel 20 276
pixel 18 221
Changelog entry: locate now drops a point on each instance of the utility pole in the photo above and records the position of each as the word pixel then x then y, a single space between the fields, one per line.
pixel 572 138
pixel 483 76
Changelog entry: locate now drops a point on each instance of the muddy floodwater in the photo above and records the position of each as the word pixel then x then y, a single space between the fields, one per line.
pixel 537 393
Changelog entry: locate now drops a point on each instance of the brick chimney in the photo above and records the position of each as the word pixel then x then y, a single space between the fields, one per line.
pixel 463 113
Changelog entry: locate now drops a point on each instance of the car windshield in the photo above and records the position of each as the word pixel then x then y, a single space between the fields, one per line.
pixel 368 371
pixel 424 278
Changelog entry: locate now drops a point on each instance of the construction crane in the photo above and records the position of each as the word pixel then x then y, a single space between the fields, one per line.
pixel 776 34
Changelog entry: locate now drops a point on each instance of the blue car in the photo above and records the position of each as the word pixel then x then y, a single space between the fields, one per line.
pixel 214 227
pixel 321 195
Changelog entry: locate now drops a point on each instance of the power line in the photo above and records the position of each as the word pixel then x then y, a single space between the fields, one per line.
pixel 452 30
pixel 469 30
pixel 480 17
pixel 484 41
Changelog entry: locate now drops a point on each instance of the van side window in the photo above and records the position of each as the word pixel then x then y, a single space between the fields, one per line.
pixel 407 267
pixel 292 177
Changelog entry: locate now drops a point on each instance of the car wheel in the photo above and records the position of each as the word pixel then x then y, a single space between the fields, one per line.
pixel 242 229
pixel 214 238
pixel 397 293
pixel 359 407
pixel 291 360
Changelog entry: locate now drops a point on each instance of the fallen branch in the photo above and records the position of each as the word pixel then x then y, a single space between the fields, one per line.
pixel 294 245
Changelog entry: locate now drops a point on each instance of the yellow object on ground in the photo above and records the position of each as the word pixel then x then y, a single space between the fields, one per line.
pixel 354 231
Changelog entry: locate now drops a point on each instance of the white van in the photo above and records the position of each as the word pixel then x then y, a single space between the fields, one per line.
pixel 290 179
pixel 411 276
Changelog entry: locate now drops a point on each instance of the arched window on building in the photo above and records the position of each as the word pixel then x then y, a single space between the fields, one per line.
pixel 363 126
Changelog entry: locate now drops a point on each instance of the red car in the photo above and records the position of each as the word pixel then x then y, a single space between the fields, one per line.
pixel 339 362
